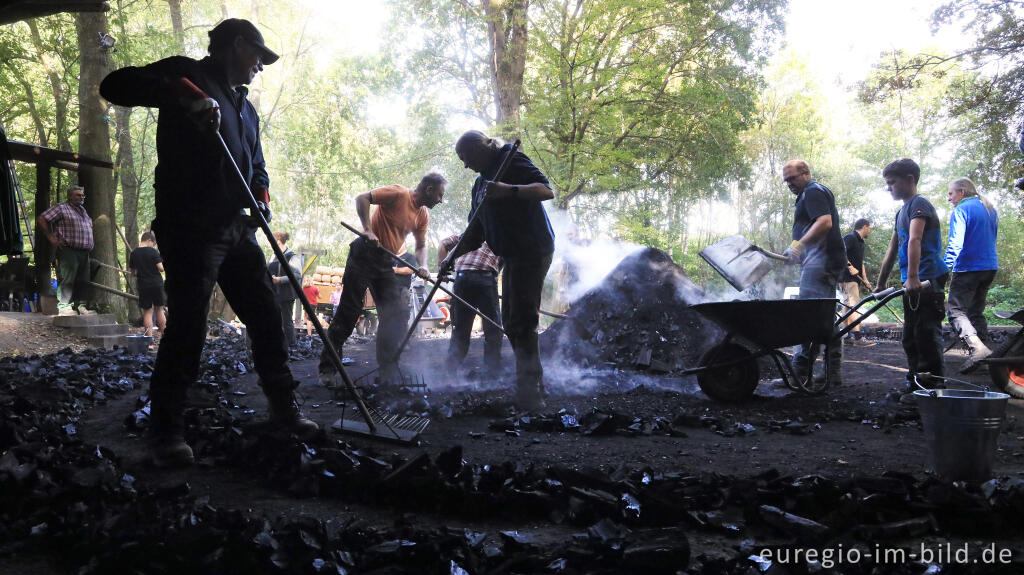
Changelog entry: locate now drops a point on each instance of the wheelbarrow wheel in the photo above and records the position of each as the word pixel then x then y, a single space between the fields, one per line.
pixel 1009 377
pixel 734 382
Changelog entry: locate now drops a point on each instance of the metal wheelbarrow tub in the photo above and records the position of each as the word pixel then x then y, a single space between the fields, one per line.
pixel 774 323
pixel 729 371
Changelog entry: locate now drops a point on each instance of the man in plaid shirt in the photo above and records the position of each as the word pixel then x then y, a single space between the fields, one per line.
pixel 476 281
pixel 69 228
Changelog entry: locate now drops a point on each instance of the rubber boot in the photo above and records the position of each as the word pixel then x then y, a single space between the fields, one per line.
pixel 978 352
pixel 284 412
pixel 167 429
pixel 529 397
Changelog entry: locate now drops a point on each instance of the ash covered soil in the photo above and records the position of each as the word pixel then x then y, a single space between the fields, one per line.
pixel 626 471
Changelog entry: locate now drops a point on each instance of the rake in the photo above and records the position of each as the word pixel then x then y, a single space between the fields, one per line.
pixel 376 424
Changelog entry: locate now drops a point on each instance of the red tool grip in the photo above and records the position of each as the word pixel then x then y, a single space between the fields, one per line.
pixel 262 195
pixel 184 88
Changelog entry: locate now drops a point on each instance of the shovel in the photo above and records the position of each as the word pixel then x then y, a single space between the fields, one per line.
pixel 740 262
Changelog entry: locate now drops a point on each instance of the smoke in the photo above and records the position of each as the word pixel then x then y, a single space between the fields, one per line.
pixel 580 263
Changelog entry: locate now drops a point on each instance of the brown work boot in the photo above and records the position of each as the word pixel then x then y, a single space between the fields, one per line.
pixel 978 352
pixel 167 429
pixel 284 413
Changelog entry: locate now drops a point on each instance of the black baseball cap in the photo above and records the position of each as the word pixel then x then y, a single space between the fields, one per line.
pixel 224 34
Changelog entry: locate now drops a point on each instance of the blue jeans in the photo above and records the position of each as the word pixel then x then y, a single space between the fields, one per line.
pixel 817 282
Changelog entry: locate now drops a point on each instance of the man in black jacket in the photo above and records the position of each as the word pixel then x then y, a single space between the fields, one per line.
pixel 205 235
pixel 855 273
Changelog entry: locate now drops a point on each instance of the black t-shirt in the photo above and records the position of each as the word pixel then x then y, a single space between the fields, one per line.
pixel 854 254
pixel 144 261
pixel 813 202
pixel 515 229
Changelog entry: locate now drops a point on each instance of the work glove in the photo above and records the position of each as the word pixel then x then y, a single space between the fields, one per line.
pixel 794 253
pixel 205 113
pixel 444 269
pixel 262 196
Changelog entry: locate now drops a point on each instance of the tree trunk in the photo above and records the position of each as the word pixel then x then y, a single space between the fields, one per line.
pixel 94 141
pixel 507 31
pixel 125 163
pixel 60 96
pixel 177 25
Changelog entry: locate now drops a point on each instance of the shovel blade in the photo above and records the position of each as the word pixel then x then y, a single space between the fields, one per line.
pixel 740 262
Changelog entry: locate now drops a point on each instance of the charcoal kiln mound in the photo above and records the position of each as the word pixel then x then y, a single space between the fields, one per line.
pixel 638 316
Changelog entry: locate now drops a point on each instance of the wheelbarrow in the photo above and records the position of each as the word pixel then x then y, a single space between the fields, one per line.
pixel 729 371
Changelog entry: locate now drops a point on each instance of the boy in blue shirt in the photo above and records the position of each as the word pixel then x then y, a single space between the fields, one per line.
pixel 917 242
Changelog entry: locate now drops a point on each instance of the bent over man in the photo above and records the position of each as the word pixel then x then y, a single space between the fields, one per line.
pixel 516 228
pixel 206 237
pixel 399 212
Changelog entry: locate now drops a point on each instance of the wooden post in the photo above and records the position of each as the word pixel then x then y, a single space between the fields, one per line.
pixel 43 251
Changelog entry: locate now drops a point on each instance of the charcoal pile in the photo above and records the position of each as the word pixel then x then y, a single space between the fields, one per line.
pixel 639 316
pixel 65 498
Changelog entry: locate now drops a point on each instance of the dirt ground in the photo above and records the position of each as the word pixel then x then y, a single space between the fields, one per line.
pixel 856 429
pixel 33 333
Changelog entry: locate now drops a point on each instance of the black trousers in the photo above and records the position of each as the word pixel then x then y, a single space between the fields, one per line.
pixel 288 321
pixel 480 289
pixel 522 282
pixel 369 267
pixel 966 305
pixel 194 262
pixel 922 328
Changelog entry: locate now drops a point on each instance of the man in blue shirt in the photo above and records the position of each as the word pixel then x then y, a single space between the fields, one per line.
pixel 818 247
pixel 917 243
pixel 971 255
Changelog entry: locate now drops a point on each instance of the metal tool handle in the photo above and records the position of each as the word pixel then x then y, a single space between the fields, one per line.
pixel 772 255
pixel 296 284
pixel 926 377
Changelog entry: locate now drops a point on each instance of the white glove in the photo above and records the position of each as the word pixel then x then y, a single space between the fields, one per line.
pixel 205 112
pixel 794 253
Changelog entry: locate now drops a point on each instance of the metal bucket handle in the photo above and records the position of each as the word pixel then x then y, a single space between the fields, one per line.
pixel 926 377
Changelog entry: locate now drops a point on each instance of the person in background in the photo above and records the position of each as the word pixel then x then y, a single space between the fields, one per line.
pixel 476 281
pixel 515 226
pixel 284 292
pixel 855 273
pixel 818 248
pixel 69 228
pixel 916 243
pixel 972 258
pixel 146 265
pixel 312 294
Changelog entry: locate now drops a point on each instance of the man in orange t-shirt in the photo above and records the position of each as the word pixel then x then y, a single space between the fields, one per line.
pixel 399 212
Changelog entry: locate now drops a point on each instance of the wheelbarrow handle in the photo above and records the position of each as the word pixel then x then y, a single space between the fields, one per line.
pixel 881 297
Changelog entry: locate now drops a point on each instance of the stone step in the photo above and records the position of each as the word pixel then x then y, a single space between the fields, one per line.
pixel 80 320
pixel 110 341
pixel 100 329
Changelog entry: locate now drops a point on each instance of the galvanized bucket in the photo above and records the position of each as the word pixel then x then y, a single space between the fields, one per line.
pixel 137 343
pixel 962 427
